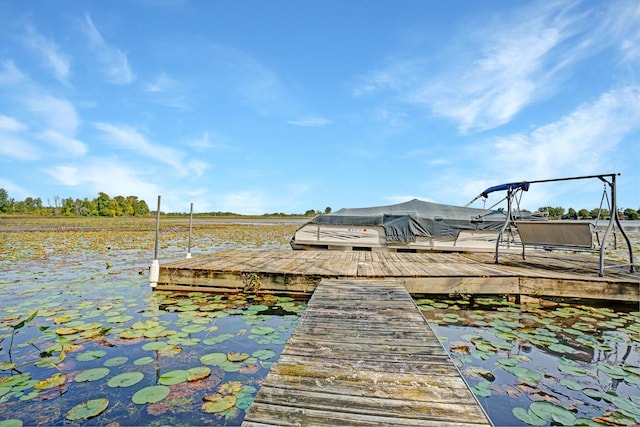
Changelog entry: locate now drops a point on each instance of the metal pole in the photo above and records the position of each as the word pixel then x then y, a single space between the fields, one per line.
pixel 154 271
pixel 190 228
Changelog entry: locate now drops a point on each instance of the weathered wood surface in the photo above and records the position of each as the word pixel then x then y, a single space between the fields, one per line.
pixel 363 354
pixel 299 272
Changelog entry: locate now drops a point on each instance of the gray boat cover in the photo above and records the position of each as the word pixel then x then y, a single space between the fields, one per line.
pixel 404 221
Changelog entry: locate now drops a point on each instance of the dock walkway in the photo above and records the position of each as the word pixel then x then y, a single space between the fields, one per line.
pixel 363 354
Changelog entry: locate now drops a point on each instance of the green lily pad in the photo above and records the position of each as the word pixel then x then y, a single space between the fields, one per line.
pixel 264 354
pixel 571 385
pixel 92 375
pixel 217 339
pixel 143 361
pixel 90 355
pixel 561 348
pixel 130 334
pixel 613 371
pixel 551 412
pixel 89 409
pixel 192 329
pixel 116 361
pixel 214 359
pixel 528 417
pixel 262 330
pixel 12 422
pixel 173 377
pixel 122 318
pixel 482 389
pixel 154 346
pixel 126 380
pixel 573 370
pixel 151 394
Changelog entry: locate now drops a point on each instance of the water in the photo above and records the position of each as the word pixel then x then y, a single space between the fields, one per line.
pixel 95 314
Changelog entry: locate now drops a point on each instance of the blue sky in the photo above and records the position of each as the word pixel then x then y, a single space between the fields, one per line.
pixel 283 106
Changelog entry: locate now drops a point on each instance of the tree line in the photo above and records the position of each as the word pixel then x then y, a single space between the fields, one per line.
pixel 597 213
pixel 103 205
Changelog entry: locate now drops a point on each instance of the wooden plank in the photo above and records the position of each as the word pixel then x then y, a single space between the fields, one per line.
pixel 290 271
pixel 363 354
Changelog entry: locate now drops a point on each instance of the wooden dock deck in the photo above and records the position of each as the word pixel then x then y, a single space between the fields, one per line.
pixel 299 272
pixel 363 354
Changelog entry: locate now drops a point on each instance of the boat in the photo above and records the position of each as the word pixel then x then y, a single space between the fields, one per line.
pixel 412 226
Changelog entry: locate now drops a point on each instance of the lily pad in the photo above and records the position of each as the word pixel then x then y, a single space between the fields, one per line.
pixel 91 375
pixel 155 345
pixel 126 380
pixel 215 359
pixel 217 339
pixel 528 417
pixel 235 356
pixel 143 361
pixel 264 354
pixel 116 361
pixel 216 403
pixel 51 382
pixel 173 377
pixel 89 409
pixel 551 412
pixel 90 355
pixel 198 373
pixel 151 394
pixel 262 330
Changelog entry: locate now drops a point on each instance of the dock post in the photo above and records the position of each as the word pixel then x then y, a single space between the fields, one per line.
pixel 190 228
pixel 154 271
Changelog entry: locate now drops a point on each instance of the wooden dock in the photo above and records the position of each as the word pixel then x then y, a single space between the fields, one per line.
pixel 299 272
pixel 363 354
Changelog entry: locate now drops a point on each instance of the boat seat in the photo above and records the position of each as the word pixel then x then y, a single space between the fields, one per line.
pixel 562 235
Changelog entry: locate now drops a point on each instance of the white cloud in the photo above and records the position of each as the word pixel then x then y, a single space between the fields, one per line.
pixel 64 144
pixel 15 191
pixel 10 124
pixel 58 114
pixel 522 60
pixel 12 143
pixel 17 148
pixel 310 122
pixel 580 143
pixel 106 175
pixel 206 141
pixel 10 74
pixel 113 61
pixel 198 167
pixel 163 83
pixel 53 57
pixel 130 139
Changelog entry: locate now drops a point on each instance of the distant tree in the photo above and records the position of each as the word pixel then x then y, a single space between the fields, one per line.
pixel 310 212
pixel 571 214
pixel 102 204
pixel 584 214
pixel 68 207
pixel 600 213
pixel 327 210
pixel 140 207
pixel 4 201
pixel 631 214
